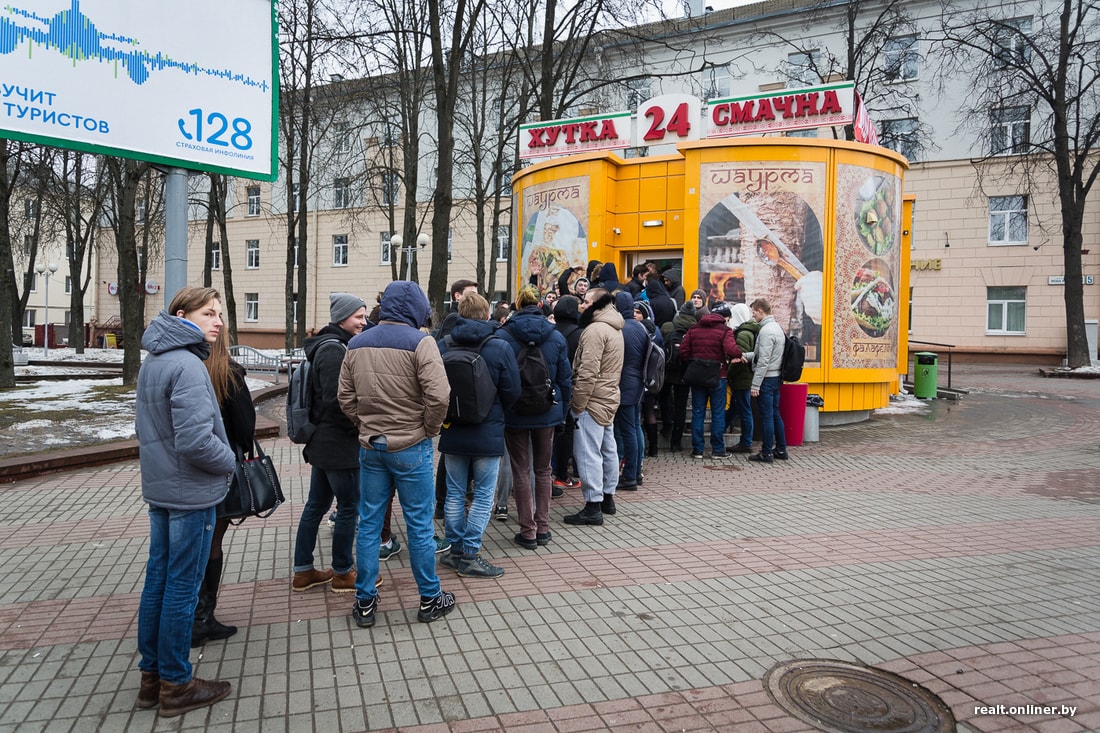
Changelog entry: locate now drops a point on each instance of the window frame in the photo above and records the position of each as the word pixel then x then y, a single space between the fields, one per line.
pixel 342 197
pixel 1009 48
pixel 812 59
pixel 215 256
pixel 1004 304
pixel 504 242
pixel 339 250
pixel 900 53
pixel 252 196
pixel 906 141
pixel 385 249
pixel 1022 202
pixel 1010 130
pixel 251 254
pixel 391 188
pixel 251 307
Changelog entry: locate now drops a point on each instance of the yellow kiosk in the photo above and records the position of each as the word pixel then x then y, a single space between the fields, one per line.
pixel 817 227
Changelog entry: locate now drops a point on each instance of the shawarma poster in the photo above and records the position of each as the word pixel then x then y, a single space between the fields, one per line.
pixel 759 234
pixel 555 226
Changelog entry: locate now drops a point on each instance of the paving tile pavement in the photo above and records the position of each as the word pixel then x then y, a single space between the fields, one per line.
pixel 959 548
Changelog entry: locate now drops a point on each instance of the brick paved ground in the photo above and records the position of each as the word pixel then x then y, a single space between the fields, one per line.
pixel 959 548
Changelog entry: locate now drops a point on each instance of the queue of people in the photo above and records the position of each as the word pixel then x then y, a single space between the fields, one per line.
pixel 563 371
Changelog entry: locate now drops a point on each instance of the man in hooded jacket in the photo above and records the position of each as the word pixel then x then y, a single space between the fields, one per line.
pixel 628 417
pixel 672 281
pixel 664 307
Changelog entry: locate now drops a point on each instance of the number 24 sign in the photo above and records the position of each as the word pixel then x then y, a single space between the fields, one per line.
pixel 668 119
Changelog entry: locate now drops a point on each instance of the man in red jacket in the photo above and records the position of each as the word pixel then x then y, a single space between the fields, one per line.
pixel 711 340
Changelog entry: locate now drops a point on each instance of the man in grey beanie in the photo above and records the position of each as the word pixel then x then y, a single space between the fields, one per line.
pixel 332 452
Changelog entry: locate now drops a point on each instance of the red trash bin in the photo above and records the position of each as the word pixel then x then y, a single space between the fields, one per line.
pixel 792 408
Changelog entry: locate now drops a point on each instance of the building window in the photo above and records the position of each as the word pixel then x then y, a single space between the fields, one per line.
pixel 719 83
pixel 252 254
pixel 504 243
pixel 29 318
pixel 295 253
pixel 1011 46
pixel 1010 131
pixel 450 243
pixel 30 282
pixel 30 208
pixel 390 186
pixel 812 133
pixel 1006 308
pixel 141 210
pixel 341 137
pixel 253 193
pixel 385 249
pixel 901 135
pixel 68 316
pixel 901 59
pixel 292 198
pixel 1008 219
pixel 637 91
pixel 802 69
pixel 68 284
pixel 341 195
pixel 28 243
pixel 340 250
pixel 252 306
pixel 215 255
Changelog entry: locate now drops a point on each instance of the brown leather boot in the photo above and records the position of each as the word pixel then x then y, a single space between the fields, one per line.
pixel 149 694
pixel 179 699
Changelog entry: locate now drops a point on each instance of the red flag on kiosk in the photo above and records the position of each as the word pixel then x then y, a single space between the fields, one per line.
pixel 861 123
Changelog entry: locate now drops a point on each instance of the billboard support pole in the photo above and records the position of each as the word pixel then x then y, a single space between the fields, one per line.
pixel 175 233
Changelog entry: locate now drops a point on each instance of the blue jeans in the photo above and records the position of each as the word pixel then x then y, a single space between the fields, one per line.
pixel 179 546
pixel 324 486
pixel 717 399
pixel 410 471
pixel 464 530
pixel 771 423
pixel 628 421
pixel 743 399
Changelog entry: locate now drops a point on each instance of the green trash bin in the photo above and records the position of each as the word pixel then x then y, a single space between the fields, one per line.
pixel 925 373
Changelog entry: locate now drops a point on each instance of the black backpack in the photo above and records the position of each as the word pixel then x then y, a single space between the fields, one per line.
pixel 473 390
pixel 674 366
pixel 653 375
pixel 794 356
pixel 536 388
pixel 299 399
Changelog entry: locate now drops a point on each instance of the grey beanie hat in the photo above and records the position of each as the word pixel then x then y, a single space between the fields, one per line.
pixel 342 305
pixel 687 308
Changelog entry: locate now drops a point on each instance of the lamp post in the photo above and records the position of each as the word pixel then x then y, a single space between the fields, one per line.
pixel 46 271
pixel 397 241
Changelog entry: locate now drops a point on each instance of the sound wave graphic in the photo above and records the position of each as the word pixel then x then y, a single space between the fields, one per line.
pixel 75 36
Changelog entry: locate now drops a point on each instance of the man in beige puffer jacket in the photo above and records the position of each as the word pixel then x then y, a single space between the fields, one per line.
pixel 597 366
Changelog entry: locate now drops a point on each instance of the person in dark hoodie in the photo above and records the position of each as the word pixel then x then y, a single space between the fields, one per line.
pixel 628 417
pixel 609 279
pixel 530 437
pixel 672 281
pixel 567 316
pixel 186 464
pixel 664 307
pixel 713 340
pixel 394 389
pixel 332 452
pixel 568 279
pixel 643 314
pixel 474 449
pixel 677 392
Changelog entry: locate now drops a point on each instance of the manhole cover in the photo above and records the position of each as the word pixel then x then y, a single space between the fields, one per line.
pixel 840 697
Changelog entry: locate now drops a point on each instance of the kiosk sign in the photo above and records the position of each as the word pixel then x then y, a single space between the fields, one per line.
pixel 580 135
pixel 788 109
pixel 192 85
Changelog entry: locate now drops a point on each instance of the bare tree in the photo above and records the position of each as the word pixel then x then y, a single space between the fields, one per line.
pixel 10 175
pixel 217 196
pixel 1040 66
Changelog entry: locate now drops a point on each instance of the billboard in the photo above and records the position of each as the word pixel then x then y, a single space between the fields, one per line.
pixel 192 85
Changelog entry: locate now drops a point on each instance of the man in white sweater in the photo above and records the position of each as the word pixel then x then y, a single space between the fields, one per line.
pixel 766 381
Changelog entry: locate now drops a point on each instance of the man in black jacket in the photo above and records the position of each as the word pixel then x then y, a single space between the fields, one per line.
pixel 333 453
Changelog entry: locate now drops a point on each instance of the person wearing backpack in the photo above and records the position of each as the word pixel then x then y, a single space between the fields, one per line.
pixel 766 381
pixel 545 388
pixel 472 445
pixel 676 398
pixel 710 340
pixel 628 416
pixel 567 314
pixel 741 373
pixel 332 452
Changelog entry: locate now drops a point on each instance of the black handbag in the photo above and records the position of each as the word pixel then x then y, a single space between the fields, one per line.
pixel 703 373
pixel 255 490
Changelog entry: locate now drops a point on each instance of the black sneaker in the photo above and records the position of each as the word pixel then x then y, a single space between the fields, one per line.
pixel 591 515
pixel 696 454
pixel 477 567
pixel 363 611
pixel 761 457
pixel 543 538
pixel 625 485
pixel 501 514
pixel 719 454
pixel 556 491
pixel 435 608
pixel 740 449
pixel 781 455
pixel 608 504
pixel 450 560
pixel 525 543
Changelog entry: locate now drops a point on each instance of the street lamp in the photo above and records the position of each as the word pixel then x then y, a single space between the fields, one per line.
pixel 46 271
pixel 396 241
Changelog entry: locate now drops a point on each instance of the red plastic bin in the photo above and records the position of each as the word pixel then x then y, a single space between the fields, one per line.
pixel 792 408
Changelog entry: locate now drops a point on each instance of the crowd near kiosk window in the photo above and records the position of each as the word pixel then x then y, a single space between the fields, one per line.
pixel 341 193
pixel 901 58
pixel 385 249
pixel 1010 43
pixel 901 135
pixel 1005 309
pixel 339 250
pixel 252 254
pixel 253 193
pixel 1010 130
pixel 215 255
pixel 802 68
pixel 252 306
pixel 1008 219
pixel 504 242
